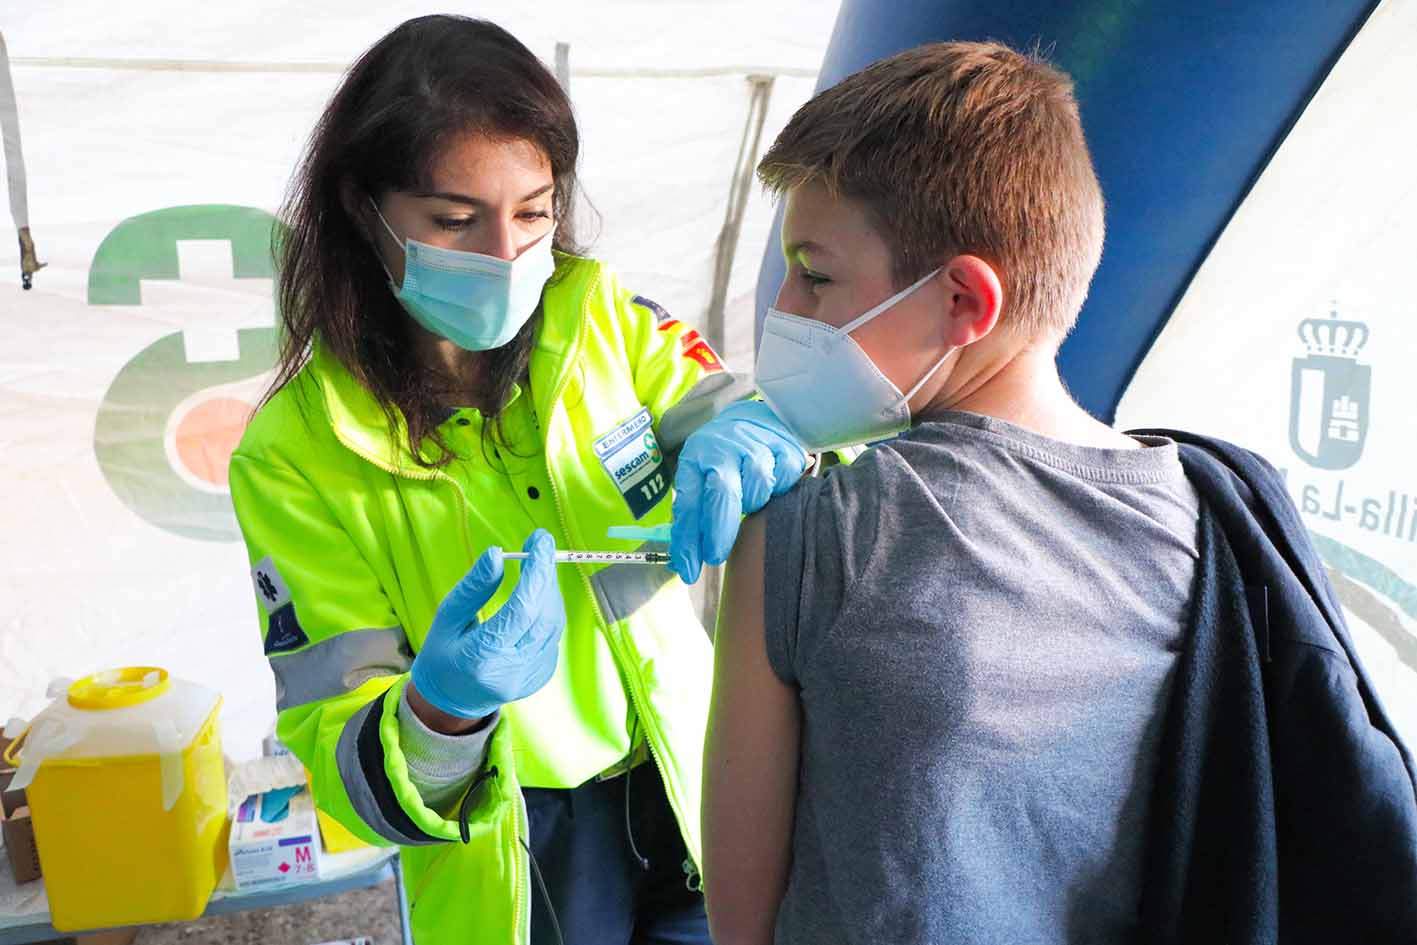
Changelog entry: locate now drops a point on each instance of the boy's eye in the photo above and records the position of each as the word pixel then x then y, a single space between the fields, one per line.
pixel 814 279
pixel 454 223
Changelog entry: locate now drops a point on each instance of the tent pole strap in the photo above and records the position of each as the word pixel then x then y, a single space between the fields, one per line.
pixel 738 192
pixel 15 169
pixel 563 66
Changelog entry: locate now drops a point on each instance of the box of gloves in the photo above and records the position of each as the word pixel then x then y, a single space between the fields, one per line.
pixel 275 840
pixel 17 830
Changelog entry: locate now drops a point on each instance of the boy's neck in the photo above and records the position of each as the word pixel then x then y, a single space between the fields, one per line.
pixel 1022 387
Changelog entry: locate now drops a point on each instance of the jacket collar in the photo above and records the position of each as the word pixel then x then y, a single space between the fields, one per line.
pixel 362 425
pixel 358 420
pixel 560 338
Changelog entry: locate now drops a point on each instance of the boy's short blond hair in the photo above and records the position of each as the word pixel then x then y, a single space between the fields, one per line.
pixel 961 148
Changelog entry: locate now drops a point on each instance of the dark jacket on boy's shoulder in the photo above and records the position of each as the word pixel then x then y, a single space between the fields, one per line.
pixel 1286 804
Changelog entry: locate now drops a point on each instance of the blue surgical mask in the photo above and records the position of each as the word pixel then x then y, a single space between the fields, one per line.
pixel 477 302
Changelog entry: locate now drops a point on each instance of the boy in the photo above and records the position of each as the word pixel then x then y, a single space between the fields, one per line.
pixel 968 633
pixel 1013 676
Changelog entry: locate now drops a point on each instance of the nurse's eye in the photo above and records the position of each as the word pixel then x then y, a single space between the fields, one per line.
pixel 533 215
pixel 814 279
pixel 454 223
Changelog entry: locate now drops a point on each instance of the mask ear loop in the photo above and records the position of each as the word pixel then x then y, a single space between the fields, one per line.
pixel 860 320
pixel 930 373
pixel 380 256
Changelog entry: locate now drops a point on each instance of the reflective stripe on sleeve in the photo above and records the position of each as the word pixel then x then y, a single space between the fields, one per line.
pixel 704 401
pixel 622 589
pixel 338 665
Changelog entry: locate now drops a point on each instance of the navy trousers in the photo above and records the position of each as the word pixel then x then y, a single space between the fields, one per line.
pixel 602 892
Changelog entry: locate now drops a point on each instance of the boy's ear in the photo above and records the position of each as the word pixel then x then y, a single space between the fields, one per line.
pixel 976 299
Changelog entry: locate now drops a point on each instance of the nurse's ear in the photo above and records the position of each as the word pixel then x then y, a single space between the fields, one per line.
pixel 356 206
pixel 363 213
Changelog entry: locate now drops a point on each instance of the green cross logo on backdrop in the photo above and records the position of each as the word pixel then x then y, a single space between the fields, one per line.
pixel 169 422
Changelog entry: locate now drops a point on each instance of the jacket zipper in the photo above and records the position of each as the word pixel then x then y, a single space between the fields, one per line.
pixel 637 698
pixel 521 918
pixel 632 680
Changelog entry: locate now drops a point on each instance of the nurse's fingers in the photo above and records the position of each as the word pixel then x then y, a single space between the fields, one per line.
pixel 685 554
pixel 721 511
pixel 519 615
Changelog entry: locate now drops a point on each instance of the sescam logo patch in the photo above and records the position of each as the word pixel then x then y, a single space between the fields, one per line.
pixel 632 458
pixel 283 630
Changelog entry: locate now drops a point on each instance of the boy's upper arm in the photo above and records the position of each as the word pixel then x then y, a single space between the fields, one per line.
pixel 750 771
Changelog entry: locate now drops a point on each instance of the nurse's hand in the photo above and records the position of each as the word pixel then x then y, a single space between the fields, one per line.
pixel 469 668
pixel 728 468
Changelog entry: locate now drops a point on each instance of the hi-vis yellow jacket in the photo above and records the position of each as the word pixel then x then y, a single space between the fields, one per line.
pixel 353 545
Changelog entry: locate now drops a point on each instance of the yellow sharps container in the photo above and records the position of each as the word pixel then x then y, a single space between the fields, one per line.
pixel 128 796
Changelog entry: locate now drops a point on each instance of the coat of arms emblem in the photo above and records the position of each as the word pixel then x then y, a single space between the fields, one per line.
pixel 1328 405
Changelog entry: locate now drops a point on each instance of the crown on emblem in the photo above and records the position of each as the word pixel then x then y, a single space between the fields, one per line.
pixel 1333 336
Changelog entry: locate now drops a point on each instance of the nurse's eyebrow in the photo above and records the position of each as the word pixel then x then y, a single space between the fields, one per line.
pixel 474 202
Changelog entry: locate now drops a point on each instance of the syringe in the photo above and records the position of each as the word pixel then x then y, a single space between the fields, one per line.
pixel 598 557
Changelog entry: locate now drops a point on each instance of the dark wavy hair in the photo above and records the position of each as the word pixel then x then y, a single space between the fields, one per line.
pixel 430 81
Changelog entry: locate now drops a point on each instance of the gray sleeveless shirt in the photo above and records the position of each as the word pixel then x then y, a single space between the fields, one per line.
pixel 982 624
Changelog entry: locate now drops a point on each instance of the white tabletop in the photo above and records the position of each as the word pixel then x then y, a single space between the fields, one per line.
pixel 27 905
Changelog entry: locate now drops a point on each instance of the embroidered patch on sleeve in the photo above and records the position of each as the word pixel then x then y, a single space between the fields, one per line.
pixel 653 306
pixel 695 346
pixel 283 631
pixel 704 355
pixel 270 586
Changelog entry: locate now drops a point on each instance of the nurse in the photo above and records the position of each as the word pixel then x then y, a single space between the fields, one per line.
pixel 454 378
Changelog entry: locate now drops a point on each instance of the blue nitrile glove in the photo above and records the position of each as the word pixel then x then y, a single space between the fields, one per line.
pixel 728 468
pixel 469 668
pixel 275 804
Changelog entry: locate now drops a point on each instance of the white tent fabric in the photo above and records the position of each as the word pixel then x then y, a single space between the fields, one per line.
pixel 124 376
pixel 1297 339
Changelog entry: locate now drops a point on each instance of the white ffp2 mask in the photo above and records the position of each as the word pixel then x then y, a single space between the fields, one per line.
pixel 824 387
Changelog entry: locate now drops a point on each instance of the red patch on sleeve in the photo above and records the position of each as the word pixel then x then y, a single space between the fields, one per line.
pixel 694 346
pixel 703 354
